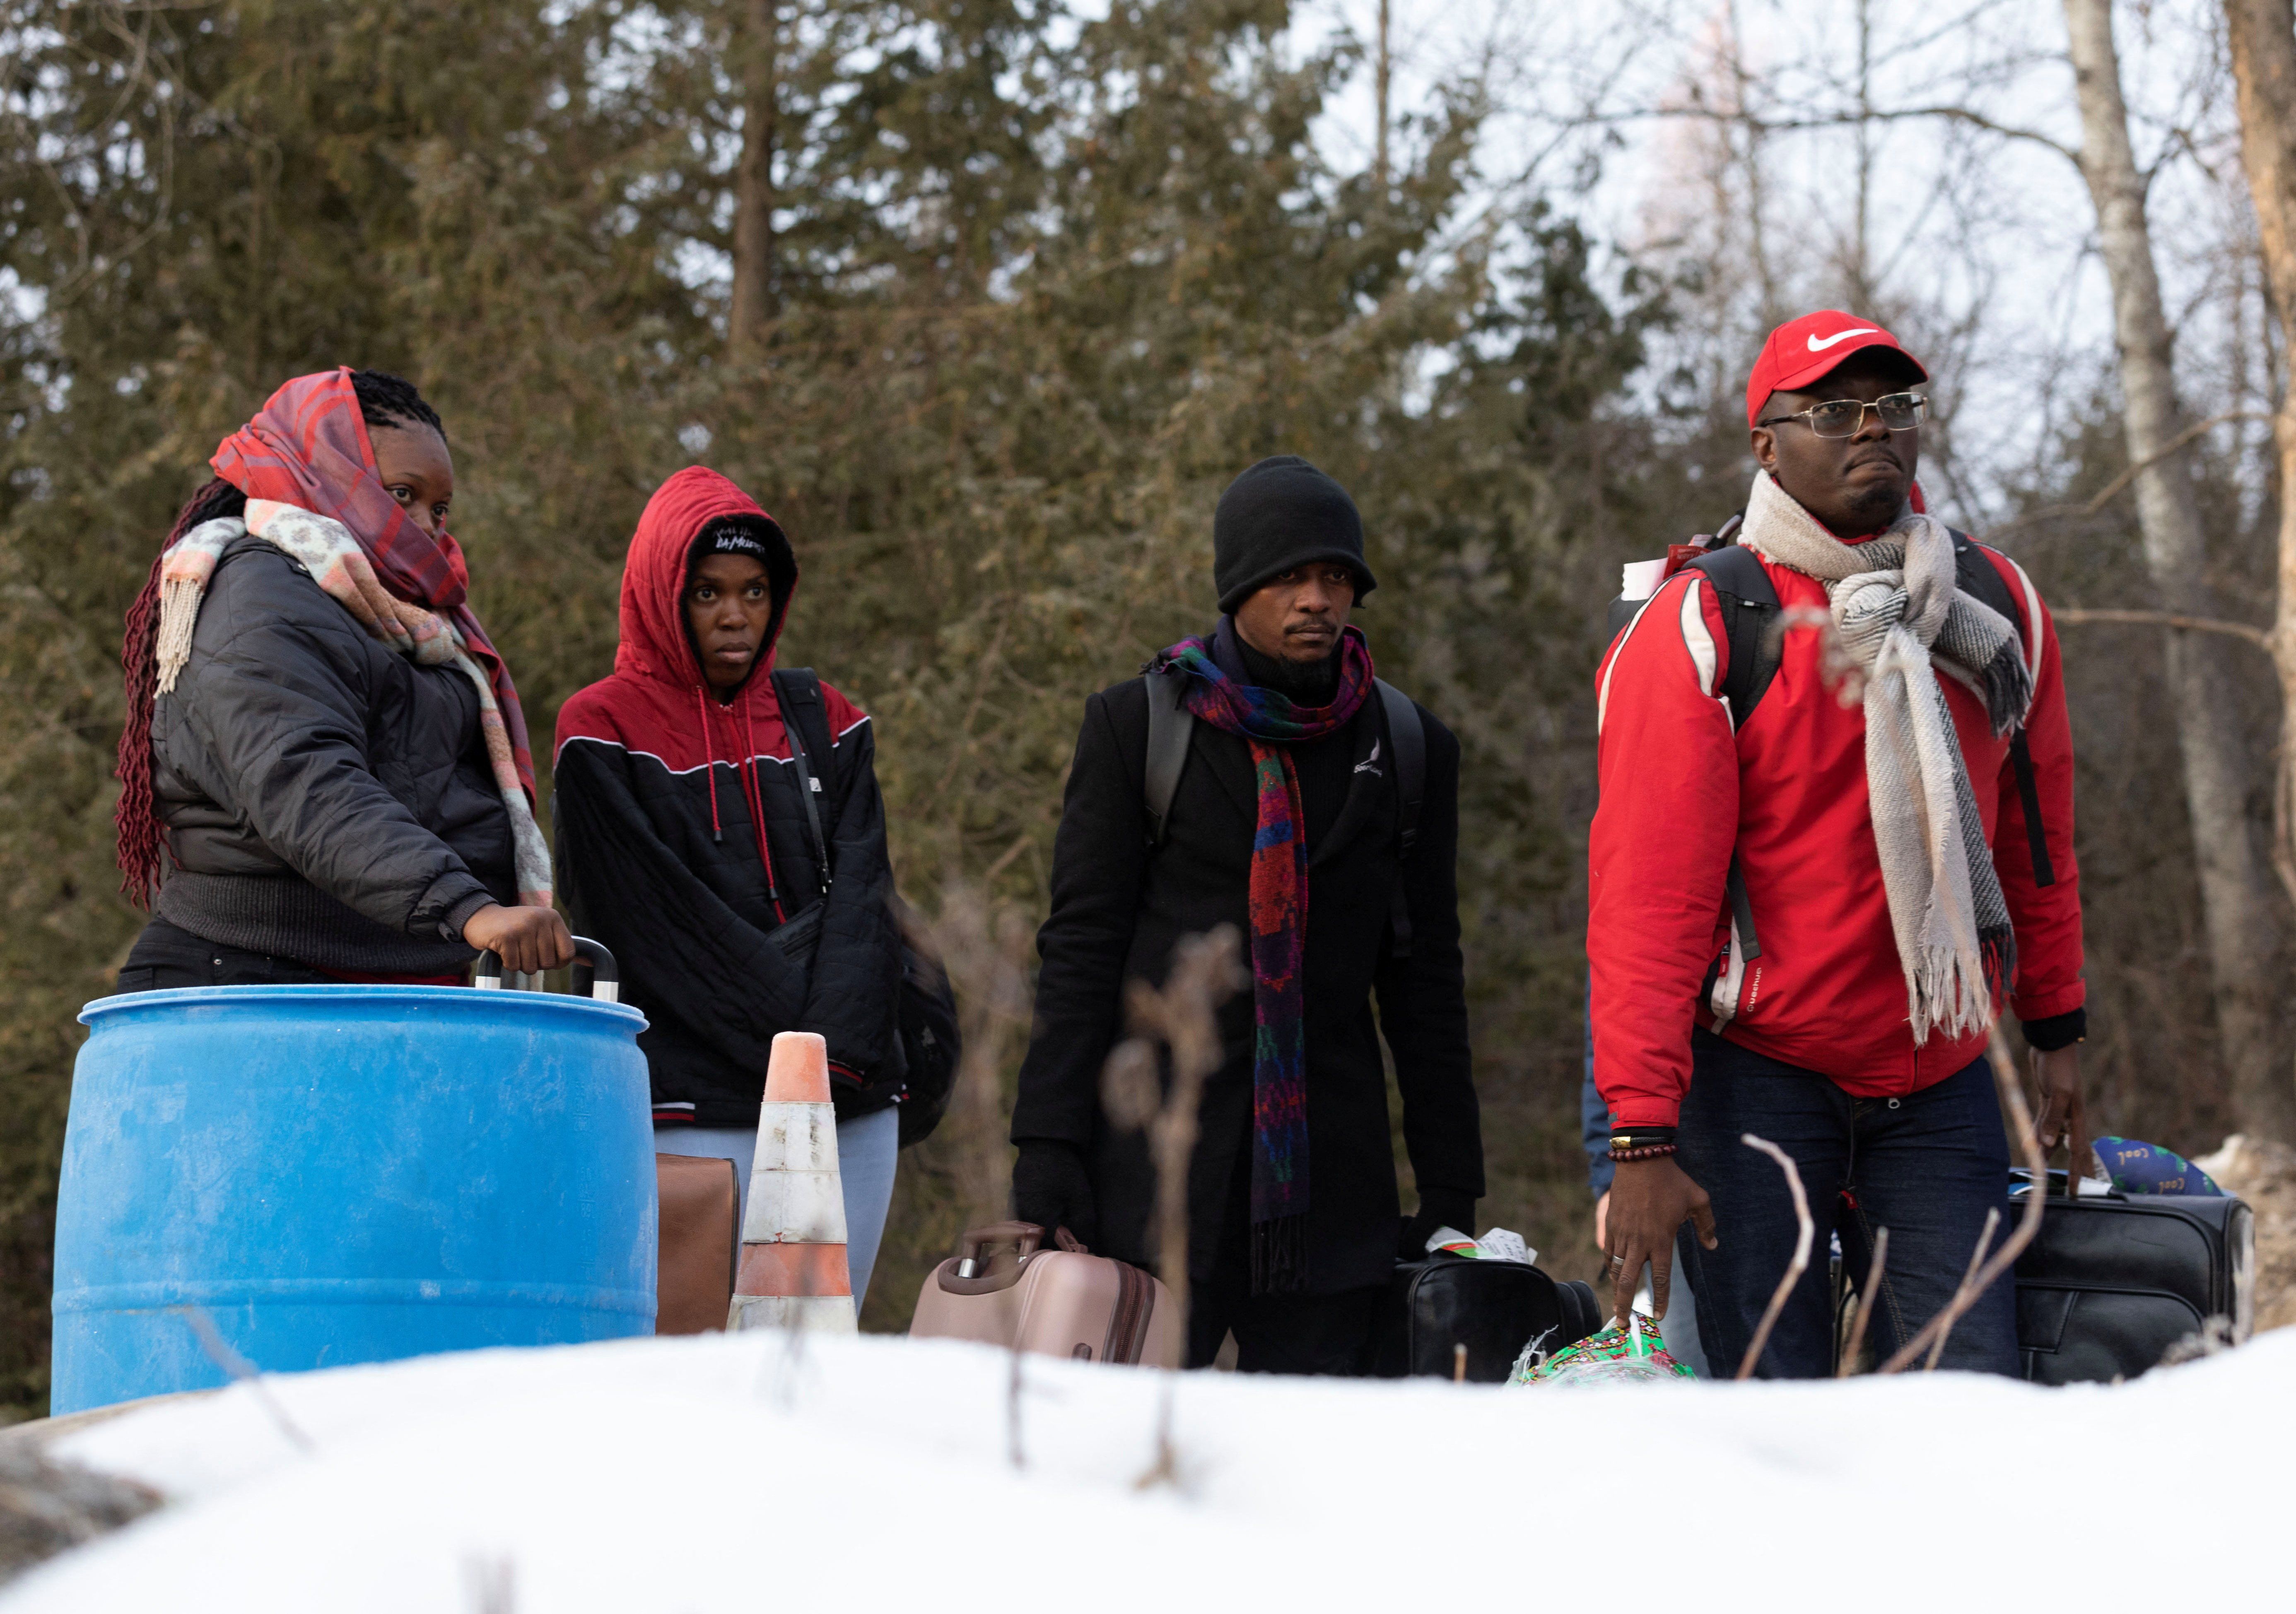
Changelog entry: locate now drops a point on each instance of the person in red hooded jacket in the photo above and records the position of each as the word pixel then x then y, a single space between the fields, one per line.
pixel 720 828
pixel 1904 872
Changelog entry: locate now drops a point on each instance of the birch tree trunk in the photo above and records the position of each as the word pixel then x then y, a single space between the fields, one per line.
pixel 2236 898
pixel 756 49
pixel 2262 34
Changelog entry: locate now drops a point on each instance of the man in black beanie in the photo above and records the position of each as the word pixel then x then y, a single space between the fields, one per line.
pixel 1241 771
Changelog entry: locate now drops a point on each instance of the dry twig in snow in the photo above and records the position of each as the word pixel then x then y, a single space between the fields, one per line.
pixel 1795 1268
pixel 1185 1018
pixel 1868 1294
pixel 1837 670
pixel 1957 1306
pixel 243 1372
pixel 2028 1226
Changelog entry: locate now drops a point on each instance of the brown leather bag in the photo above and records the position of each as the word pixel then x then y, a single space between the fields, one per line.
pixel 701 1240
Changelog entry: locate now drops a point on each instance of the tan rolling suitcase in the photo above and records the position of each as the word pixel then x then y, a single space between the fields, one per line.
pixel 701 1200
pixel 1002 1290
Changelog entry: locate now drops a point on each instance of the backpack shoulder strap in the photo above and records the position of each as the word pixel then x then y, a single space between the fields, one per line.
pixel 799 690
pixel 1980 578
pixel 1975 575
pixel 1750 603
pixel 1170 725
pixel 1407 739
pixel 806 720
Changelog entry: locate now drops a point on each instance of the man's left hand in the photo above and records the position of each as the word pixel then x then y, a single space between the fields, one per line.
pixel 2063 1117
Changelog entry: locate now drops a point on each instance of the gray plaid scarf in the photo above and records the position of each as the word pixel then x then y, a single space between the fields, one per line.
pixel 1902 619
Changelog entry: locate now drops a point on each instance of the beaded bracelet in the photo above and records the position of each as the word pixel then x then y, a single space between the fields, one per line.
pixel 1645 1152
pixel 1640 1137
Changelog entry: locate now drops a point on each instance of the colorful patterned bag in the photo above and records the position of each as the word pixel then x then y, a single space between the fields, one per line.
pixel 1634 1354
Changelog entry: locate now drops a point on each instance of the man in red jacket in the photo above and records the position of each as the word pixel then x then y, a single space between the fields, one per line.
pixel 1905 871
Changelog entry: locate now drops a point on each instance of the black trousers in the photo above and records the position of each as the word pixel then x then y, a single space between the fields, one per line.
pixel 1928 1166
pixel 1328 1334
pixel 167 955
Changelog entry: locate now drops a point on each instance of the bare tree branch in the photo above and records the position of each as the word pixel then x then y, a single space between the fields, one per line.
pixel 1836 120
pixel 2080 614
pixel 2119 484
pixel 1868 1294
pixel 1182 1018
pixel 1976 1260
pixel 1794 1269
pixel 2028 1226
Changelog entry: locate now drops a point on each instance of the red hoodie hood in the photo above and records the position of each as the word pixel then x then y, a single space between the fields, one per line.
pixel 656 709
pixel 654 641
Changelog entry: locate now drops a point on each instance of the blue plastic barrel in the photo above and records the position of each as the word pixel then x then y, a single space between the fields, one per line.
pixel 332 1174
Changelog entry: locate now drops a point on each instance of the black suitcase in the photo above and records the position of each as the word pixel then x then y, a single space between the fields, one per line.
pixel 2113 1281
pixel 1492 1307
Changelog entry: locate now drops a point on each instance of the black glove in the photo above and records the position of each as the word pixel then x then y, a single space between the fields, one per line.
pixel 1438 1207
pixel 1051 1188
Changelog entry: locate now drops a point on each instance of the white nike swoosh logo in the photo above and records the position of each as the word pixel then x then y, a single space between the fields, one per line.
pixel 1817 346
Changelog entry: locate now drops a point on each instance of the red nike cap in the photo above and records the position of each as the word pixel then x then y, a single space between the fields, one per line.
pixel 1803 350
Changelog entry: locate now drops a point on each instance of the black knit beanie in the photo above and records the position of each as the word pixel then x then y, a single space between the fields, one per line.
pixel 1281 514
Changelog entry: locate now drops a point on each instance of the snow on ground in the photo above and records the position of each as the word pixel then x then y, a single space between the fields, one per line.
pixel 859 1474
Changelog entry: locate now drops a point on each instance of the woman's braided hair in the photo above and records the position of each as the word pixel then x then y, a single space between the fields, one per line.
pixel 384 399
pixel 390 400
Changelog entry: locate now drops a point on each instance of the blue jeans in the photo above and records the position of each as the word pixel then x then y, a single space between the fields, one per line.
pixel 1927 1166
pixel 868 1148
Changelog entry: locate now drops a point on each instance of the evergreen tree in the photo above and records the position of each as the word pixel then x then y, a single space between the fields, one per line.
pixel 1033 291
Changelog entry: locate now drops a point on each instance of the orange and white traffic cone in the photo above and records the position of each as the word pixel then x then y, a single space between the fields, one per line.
pixel 793 1273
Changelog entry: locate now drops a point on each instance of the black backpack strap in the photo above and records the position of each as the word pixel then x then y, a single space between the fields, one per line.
pixel 1980 579
pixel 1750 606
pixel 1406 738
pixel 806 720
pixel 1407 744
pixel 1170 725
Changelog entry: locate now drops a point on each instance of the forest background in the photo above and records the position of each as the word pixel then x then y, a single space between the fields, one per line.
pixel 987 299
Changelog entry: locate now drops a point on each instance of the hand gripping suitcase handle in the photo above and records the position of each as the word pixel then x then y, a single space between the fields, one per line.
pixel 1028 1237
pixel 592 958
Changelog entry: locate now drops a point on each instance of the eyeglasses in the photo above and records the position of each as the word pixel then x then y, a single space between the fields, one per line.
pixel 1846 416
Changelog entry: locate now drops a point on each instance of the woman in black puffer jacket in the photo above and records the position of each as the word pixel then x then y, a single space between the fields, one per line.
pixel 325 770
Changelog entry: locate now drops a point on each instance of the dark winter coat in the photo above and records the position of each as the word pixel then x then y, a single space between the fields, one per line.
pixel 659 856
pixel 323 798
pixel 1117 909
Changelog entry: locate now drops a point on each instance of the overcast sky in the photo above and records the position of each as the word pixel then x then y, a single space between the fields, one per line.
pixel 1982 244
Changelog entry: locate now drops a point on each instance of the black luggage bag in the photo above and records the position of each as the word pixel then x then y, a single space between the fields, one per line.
pixel 1492 1307
pixel 2113 1281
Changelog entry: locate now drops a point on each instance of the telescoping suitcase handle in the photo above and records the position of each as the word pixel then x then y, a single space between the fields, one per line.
pixel 1026 1237
pixel 592 958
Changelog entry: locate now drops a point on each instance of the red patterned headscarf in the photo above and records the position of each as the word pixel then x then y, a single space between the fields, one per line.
pixel 306 446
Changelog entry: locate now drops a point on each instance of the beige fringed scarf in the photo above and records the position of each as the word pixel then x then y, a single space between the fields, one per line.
pixel 324 548
pixel 1901 618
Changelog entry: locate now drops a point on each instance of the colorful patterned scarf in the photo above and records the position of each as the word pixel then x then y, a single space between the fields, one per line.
pixel 308 448
pixel 1268 721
